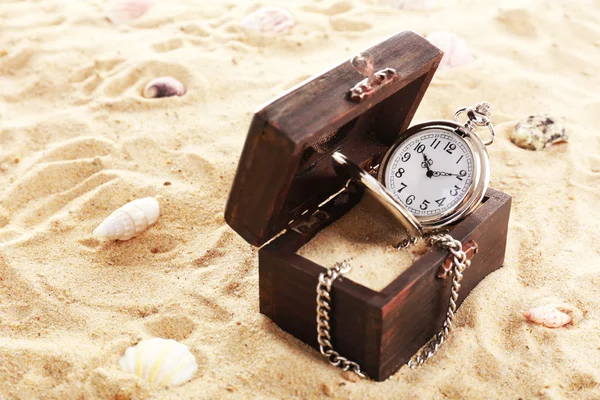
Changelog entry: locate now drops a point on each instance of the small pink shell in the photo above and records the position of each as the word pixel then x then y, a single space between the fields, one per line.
pixel 123 11
pixel 548 316
pixel 165 86
pixel 270 21
pixel 456 51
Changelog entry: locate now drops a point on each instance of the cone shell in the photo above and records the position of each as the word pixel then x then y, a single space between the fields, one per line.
pixel 130 220
pixel 548 316
pixel 270 21
pixel 410 4
pixel 537 132
pixel 123 11
pixel 456 51
pixel 165 86
pixel 163 362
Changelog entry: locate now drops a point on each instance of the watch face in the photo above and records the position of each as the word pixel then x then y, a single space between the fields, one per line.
pixel 431 172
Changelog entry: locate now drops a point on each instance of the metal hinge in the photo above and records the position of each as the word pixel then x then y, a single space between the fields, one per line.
pixel 313 222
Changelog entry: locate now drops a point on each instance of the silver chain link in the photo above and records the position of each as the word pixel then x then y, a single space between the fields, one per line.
pixel 459 264
pixel 326 279
pixel 323 309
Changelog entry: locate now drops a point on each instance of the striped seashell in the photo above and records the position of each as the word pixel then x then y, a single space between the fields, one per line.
pixel 410 4
pixel 164 362
pixel 537 132
pixel 270 21
pixel 123 11
pixel 456 51
pixel 165 86
pixel 130 220
pixel 548 316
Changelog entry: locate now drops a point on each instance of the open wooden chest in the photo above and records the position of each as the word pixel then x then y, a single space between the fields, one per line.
pixel 285 192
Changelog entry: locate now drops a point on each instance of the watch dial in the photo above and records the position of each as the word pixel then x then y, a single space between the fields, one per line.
pixel 431 172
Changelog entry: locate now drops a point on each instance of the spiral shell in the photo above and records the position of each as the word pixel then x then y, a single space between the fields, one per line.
pixel 548 316
pixel 456 51
pixel 537 132
pixel 123 11
pixel 410 4
pixel 165 86
pixel 270 21
pixel 130 220
pixel 164 362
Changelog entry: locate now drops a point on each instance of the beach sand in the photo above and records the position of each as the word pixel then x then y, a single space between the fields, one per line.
pixel 77 141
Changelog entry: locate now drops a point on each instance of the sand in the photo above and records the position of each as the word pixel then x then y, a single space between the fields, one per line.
pixel 366 239
pixel 77 141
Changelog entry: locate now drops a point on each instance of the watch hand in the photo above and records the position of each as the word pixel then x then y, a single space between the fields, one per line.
pixel 425 164
pixel 442 173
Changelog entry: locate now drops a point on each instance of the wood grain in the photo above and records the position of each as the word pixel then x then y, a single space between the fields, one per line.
pixel 379 330
pixel 284 168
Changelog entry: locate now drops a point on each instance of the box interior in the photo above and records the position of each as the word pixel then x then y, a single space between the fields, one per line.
pixel 364 238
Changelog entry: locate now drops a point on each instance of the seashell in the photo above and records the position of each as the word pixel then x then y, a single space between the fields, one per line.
pixel 164 362
pixel 537 132
pixel 548 316
pixel 165 86
pixel 270 21
pixel 123 11
pixel 130 220
pixel 410 4
pixel 456 51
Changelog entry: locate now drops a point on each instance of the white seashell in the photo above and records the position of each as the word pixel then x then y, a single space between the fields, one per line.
pixel 537 132
pixel 456 51
pixel 548 316
pixel 164 362
pixel 165 86
pixel 410 4
pixel 130 220
pixel 270 21
pixel 123 11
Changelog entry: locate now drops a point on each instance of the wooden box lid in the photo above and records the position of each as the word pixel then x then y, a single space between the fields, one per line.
pixel 284 168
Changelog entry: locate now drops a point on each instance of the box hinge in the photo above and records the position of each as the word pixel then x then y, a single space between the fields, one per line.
pixel 311 221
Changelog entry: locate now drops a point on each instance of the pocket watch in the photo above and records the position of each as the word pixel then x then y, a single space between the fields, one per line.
pixel 434 175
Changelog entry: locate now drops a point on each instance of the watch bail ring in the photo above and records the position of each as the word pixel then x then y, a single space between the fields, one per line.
pixel 345 168
pixel 478 116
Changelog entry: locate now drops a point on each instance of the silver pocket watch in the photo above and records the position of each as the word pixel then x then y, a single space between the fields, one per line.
pixel 434 176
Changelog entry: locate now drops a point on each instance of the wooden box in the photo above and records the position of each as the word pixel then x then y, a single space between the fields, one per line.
pixel 285 191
